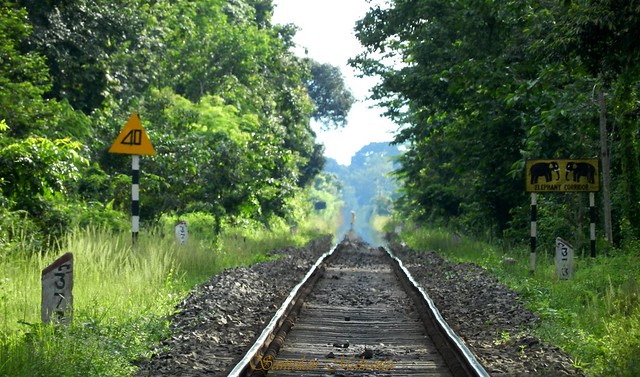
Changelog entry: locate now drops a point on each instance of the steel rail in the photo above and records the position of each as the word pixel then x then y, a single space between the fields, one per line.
pixel 269 332
pixel 467 364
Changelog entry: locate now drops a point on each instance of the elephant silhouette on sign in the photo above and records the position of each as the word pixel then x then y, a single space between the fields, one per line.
pixel 544 169
pixel 579 170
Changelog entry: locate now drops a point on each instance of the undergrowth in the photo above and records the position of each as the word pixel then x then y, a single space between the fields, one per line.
pixel 123 294
pixel 595 317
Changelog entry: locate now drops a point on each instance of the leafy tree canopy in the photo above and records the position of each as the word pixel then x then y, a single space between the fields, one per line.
pixel 331 97
pixel 216 84
pixel 483 86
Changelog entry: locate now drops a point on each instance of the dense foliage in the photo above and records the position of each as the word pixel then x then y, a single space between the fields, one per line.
pixel 482 86
pixel 225 101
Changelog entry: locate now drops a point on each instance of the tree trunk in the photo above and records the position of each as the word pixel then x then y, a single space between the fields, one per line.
pixel 606 175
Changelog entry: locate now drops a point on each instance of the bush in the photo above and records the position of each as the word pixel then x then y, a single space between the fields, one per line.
pixel 113 191
pixel 93 214
pixel 18 233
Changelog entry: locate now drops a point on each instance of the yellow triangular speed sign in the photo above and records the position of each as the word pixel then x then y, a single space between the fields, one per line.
pixel 132 139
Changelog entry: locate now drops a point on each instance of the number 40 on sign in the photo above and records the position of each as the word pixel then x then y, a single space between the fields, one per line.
pixel 133 139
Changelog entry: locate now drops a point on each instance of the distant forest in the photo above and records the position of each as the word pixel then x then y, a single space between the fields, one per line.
pixel 368 188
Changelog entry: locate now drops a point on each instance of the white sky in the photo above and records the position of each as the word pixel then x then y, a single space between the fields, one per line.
pixel 326 32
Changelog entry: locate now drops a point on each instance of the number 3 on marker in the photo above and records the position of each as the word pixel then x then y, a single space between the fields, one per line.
pixel 61 283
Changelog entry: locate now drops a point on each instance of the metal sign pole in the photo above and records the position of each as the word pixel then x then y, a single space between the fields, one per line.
pixel 135 197
pixel 133 140
pixel 534 231
pixel 592 226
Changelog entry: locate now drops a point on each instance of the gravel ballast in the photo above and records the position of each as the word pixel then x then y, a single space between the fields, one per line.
pixel 220 319
pixel 487 315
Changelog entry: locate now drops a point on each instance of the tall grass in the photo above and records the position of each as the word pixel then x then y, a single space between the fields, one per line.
pixel 120 294
pixel 123 295
pixel 595 317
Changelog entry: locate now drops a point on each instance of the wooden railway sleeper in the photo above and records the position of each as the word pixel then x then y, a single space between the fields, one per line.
pixel 457 356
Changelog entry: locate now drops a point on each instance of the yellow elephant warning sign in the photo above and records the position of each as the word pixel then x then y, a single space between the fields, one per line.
pixel 132 139
pixel 562 175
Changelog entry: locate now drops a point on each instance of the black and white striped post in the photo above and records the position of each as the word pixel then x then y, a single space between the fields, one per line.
pixel 134 141
pixel 135 197
pixel 592 225
pixel 534 232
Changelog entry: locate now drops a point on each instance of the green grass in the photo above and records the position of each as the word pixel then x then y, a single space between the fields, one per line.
pixel 595 317
pixel 122 294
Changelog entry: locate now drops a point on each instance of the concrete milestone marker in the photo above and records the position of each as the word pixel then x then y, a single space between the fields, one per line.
pixel 181 233
pixel 57 287
pixel 564 259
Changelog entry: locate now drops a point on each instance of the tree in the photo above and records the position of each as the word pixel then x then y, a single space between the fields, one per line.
pixel 24 80
pixel 368 186
pixel 478 99
pixel 450 89
pixel 217 86
pixel 504 83
pixel 602 35
pixel 237 58
pixel 82 41
pixel 330 96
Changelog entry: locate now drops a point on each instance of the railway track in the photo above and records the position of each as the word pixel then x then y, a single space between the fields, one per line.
pixel 357 312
